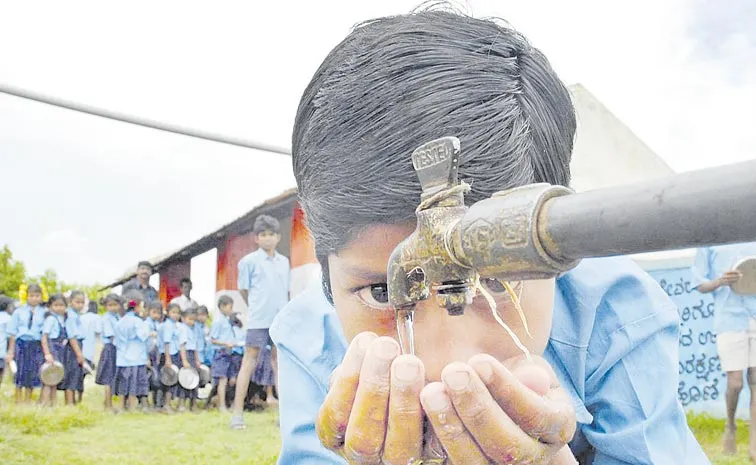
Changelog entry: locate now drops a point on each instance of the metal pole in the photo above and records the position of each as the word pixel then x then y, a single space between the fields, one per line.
pixel 707 207
pixel 139 121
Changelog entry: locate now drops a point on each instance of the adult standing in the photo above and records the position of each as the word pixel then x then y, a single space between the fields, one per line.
pixel 185 300
pixel 735 325
pixel 141 282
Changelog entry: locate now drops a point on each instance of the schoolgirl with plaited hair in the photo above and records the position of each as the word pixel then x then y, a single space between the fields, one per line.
pixel 24 343
pixel 131 379
pixel 106 367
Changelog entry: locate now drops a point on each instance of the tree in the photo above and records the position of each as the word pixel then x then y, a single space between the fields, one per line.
pixel 12 273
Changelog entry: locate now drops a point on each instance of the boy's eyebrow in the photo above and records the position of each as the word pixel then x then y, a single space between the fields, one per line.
pixel 366 274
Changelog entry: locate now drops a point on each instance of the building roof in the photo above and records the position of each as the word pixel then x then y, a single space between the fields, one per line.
pixel 278 206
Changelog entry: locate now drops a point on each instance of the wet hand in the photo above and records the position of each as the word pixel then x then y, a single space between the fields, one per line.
pixel 49 358
pixel 372 413
pixel 514 412
pixel 730 277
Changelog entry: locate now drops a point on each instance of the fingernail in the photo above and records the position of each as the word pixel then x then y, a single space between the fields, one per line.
pixel 437 401
pixel 406 370
pixel 457 380
pixel 485 371
pixel 386 348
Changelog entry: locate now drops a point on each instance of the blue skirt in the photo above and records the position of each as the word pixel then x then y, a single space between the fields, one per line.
pixel 263 374
pixel 106 369
pixel 191 357
pixel 29 359
pixel 73 379
pixel 131 381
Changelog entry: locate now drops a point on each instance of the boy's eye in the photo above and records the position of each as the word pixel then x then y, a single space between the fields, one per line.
pixel 374 296
pixel 493 285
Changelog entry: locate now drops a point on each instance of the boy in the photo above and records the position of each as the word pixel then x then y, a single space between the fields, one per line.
pixel 222 337
pixel 264 285
pixel 735 325
pixel 604 336
pixel 185 300
pixel 153 321
pixel 188 353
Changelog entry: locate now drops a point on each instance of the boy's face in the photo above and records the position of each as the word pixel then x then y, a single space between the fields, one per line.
pixel 439 338
pixel 34 298
pixel 186 288
pixel 155 313
pixel 174 314
pixel 268 240
pixel 112 306
pixel 202 318
pixel 189 319
pixel 227 309
pixel 77 303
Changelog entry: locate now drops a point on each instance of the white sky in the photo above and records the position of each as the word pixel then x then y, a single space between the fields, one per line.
pixel 90 197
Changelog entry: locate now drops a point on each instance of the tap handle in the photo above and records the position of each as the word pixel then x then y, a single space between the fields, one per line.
pixel 436 164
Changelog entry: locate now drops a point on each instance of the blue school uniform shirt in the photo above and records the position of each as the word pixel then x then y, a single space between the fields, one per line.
pixel 73 324
pixel 4 322
pixel 240 337
pixel 19 324
pixel 222 331
pixel 152 341
pixel 732 311
pixel 91 326
pixel 266 280
pixel 169 334
pixel 53 326
pixel 131 341
pixel 109 323
pixel 613 346
pixel 199 336
pixel 187 337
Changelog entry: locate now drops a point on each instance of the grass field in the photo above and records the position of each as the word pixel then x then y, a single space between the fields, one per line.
pixel 86 435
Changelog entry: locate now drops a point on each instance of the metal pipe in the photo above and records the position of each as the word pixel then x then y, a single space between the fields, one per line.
pixel 707 207
pixel 140 121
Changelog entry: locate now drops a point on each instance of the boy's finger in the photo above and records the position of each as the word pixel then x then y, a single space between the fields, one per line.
pixel 549 418
pixel 459 445
pixel 404 436
pixel 366 428
pixel 498 436
pixel 331 424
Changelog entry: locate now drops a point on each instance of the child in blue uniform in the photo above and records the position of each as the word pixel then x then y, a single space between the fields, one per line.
pixel 91 329
pixel 106 367
pixel 25 333
pixel 601 383
pixel 188 343
pixel 73 361
pixel 153 320
pixel 223 338
pixel 6 309
pixel 203 335
pixel 169 337
pixel 132 333
pixel 54 341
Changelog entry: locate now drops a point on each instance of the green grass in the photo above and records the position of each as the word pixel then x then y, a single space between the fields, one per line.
pixel 85 434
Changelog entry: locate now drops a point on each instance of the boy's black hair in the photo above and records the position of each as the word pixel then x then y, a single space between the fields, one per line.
pixel 189 311
pixel 112 297
pixel 185 280
pixel 396 83
pixel 5 303
pixel 265 223
pixel 171 307
pixel 203 309
pixel 93 307
pixel 76 293
pixel 155 304
pixel 224 300
pixel 145 263
pixel 34 287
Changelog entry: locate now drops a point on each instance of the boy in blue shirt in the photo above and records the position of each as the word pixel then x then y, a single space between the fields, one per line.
pixel 735 325
pixel 602 385
pixel 264 285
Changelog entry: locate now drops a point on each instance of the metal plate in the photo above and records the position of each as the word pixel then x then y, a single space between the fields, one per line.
pixel 747 284
pixel 169 375
pixel 204 373
pixel 51 374
pixel 189 378
pixel 13 367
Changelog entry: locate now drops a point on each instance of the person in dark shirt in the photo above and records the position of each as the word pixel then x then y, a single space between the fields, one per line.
pixel 141 282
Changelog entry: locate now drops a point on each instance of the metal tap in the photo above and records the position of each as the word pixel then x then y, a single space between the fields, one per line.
pixel 539 231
